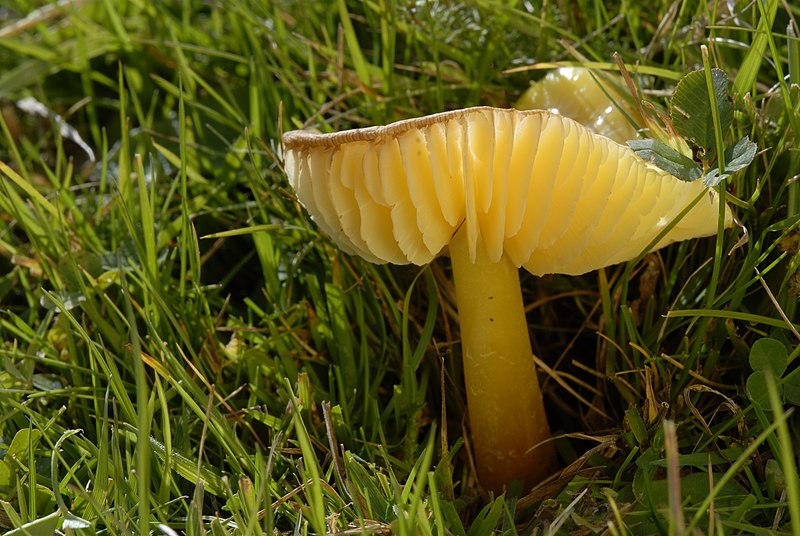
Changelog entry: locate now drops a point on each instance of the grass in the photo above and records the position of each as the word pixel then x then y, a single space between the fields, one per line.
pixel 183 352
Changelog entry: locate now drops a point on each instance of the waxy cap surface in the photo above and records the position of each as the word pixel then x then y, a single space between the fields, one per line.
pixel 592 101
pixel 538 187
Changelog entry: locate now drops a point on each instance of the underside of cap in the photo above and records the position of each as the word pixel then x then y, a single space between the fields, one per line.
pixel 535 186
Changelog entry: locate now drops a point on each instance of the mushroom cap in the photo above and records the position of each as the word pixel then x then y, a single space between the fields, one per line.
pixel 538 187
pixel 576 93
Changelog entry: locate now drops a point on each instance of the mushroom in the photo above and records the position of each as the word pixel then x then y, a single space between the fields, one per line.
pixel 501 189
pixel 590 99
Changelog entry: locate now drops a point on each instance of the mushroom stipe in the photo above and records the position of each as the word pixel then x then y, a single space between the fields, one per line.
pixel 503 189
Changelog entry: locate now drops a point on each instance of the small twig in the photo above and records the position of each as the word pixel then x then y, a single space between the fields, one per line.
pixel 558 377
pixel 777 305
pixel 728 403
pixel 38 16
pixel 693 373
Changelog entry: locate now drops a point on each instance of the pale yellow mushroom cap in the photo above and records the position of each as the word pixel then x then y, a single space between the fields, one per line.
pixel 575 93
pixel 538 187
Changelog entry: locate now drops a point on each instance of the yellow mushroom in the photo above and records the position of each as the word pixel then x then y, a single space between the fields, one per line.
pixel 503 189
pixel 592 100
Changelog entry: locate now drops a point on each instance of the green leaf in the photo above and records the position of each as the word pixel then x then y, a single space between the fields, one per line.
pixel 636 424
pixel 488 518
pixel 769 354
pixel 791 387
pixel 737 157
pixel 665 157
pixel 451 519
pixel 695 486
pixel 7 481
pixel 24 440
pixel 740 155
pixel 757 389
pixel 44 526
pixel 690 108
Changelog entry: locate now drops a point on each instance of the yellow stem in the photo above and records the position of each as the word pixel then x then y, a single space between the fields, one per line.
pixel 506 413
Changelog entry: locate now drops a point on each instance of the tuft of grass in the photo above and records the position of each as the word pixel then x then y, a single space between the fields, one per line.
pixel 183 352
